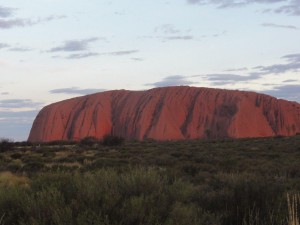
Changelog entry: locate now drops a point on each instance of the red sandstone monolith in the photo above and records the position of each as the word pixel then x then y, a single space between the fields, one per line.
pixel 169 113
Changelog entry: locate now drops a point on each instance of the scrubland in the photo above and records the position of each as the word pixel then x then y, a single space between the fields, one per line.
pixel 201 182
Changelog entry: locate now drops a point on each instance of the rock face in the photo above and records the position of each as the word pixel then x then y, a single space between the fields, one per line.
pixel 170 113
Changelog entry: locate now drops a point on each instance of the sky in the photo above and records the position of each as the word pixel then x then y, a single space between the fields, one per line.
pixel 51 50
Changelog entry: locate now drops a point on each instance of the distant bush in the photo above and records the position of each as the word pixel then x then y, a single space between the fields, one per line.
pixel 89 141
pixel 60 142
pixel 6 145
pixel 23 143
pixel 110 140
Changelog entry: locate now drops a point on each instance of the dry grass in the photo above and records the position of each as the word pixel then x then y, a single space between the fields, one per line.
pixel 8 179
pixel 293 201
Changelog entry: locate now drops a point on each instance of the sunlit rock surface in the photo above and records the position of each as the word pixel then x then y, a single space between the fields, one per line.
pixel 169 113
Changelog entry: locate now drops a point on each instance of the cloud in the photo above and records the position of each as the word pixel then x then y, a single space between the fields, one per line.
pixel 10 116
pixel 83 55
pixel 6 12
pixel 221 79
pixel 289 7
pixel 236 69
pixel 167 29
pixel 50 18
pixel 232 3
pixel 91 54
pixel 292 57
pixel 8 24
pixel 14 49
pixel 279 26
pixel 74 45
pixel 184 37
pixel 280 68
pixel 19 22
pixel 289 81
pixel 176 80
pixel 16 125
pixel 20 49
pixel 137 59
pixel 290 92
pixel 120 53
pixel 292 65
pixel 3 45
pixel 9 104
pixel 169 33
pixel 75 90
pixel 292 8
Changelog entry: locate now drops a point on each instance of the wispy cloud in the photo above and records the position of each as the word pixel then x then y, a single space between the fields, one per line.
pixel 292 57
pixel 292 65
pixel 17 48
pixel 167 29
pixel 75 90
pixel 8 24
pixel 120 53
pixel 273 25
pixel 8 104
pixel 10 122
pixel 184 37
pixel 8 116
pixel 236 69
pixel 168 32
pixel 4 45
pixel 137 59
pixel 83 55
pixel 290 92
pixel 175 80
pixel 20 49
pixel 74 45
pixel 289 81
pixel 24 22
pixel 222 79
pixel 232 3
pixel 6 12
pixel 289 7
pixel 279 68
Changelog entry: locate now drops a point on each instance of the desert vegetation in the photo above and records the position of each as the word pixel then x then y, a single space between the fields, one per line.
pixel 218 182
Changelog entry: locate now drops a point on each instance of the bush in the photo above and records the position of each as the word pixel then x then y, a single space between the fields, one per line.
pixel 6 145
pixel 89 141
pixel 110 140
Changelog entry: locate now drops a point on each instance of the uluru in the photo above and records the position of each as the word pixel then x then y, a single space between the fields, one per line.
pixel 168 113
